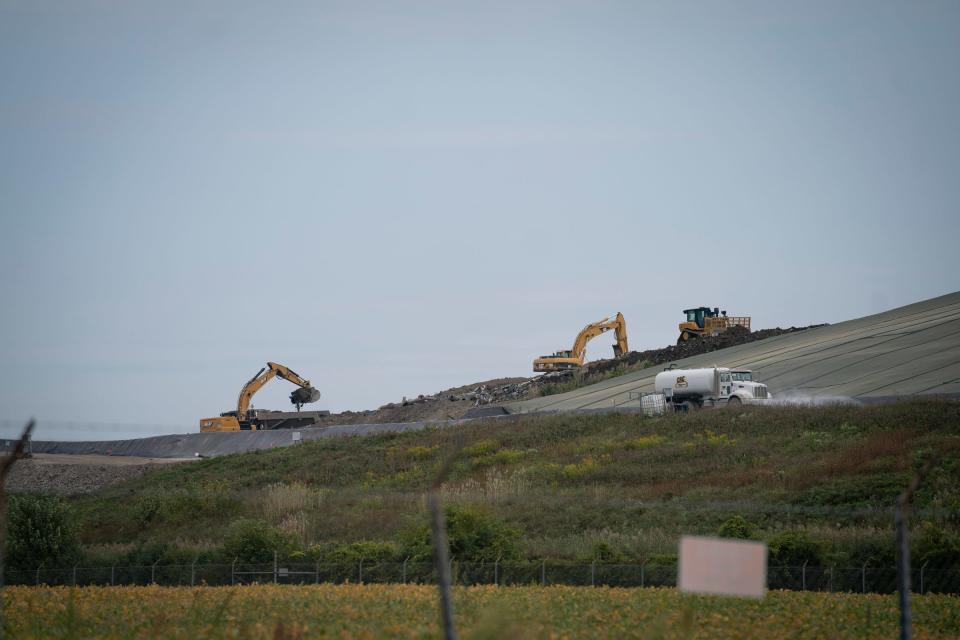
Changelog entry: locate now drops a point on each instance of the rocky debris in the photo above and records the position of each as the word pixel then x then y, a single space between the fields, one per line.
pixel 29 476
pixel 450 404
pixel 732 337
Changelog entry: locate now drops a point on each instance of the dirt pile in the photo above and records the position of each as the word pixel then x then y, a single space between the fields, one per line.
pixel 732 337
pixel 450 404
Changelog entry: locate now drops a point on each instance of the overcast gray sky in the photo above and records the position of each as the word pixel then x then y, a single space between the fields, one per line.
pixel 396 198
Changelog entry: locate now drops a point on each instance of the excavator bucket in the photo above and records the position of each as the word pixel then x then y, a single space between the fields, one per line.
pixel 304 395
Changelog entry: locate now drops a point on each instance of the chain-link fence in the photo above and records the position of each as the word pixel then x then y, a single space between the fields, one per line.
pixel 926 578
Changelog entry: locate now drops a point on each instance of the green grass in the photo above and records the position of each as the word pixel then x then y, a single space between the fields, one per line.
pixel 569 482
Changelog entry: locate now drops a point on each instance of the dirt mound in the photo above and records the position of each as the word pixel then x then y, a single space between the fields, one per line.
pixel 450 404
pixel 732 337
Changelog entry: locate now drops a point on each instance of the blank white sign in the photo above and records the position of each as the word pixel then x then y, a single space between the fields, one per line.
pixel 721 566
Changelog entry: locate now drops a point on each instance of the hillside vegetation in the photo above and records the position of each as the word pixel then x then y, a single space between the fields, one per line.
pixel 607 486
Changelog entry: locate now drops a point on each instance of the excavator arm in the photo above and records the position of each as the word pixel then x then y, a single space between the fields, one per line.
pixel 264 376
pixel 591 331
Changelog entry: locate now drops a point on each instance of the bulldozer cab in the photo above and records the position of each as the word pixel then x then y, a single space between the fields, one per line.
pixel 699 314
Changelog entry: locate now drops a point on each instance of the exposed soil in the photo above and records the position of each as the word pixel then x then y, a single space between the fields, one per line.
pixel 450 404
pixel 76 474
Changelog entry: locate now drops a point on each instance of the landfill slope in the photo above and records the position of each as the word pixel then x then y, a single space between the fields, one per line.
pixel 912 350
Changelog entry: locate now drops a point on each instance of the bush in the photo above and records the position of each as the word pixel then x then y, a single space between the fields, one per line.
pixel 739 528
pixel 936 546
pixel 873 553
pixel 366 550
pixel 644 442
pixel 603 552
pixel 182 505
pixel 256 541
pixel 792 548
pixel 42 530
pixel 473 537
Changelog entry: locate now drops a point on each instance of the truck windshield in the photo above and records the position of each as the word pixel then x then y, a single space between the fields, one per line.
pixel 742 376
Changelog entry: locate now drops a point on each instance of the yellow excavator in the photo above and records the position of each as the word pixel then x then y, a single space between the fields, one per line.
pixel 573 359
pixel 704 321
pixel 244 418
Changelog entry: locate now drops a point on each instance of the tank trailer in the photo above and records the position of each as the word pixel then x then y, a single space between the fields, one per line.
pixel 710 387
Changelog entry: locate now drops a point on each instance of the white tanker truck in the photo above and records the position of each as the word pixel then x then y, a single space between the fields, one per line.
pixel 710 387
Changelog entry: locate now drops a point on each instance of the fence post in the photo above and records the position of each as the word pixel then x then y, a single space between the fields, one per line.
pixel 153 573
pixel 74 575
pixel 543 572
pixel 233 572
pixel 863 577
pixel 593 573
pixel 803 575
pixel 193 571
pixel 113 572
pixel 922 569
pixel 453 578
pixel 405 570
pixel 360 571
pixel 274 566
pixel 316 572
pixel 37 581
pixel 831 577
pixel 496 572
pixel 643 574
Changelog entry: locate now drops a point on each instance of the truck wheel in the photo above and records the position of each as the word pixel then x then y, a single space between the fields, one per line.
pixel 734 401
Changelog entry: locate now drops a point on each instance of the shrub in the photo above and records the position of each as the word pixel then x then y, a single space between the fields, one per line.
pixel 604 552
pixel 739 528
pixel 473 536
pixel 873 553
pixel 185 504
pixel 366 550
pixel 42 530
pixel 644 442
pixel 792 548
pixel 481 448
pixel 162 552
pixel 585 467
pixel 422 453
pixel 503 456
pixel 255 541
pixel 936 546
